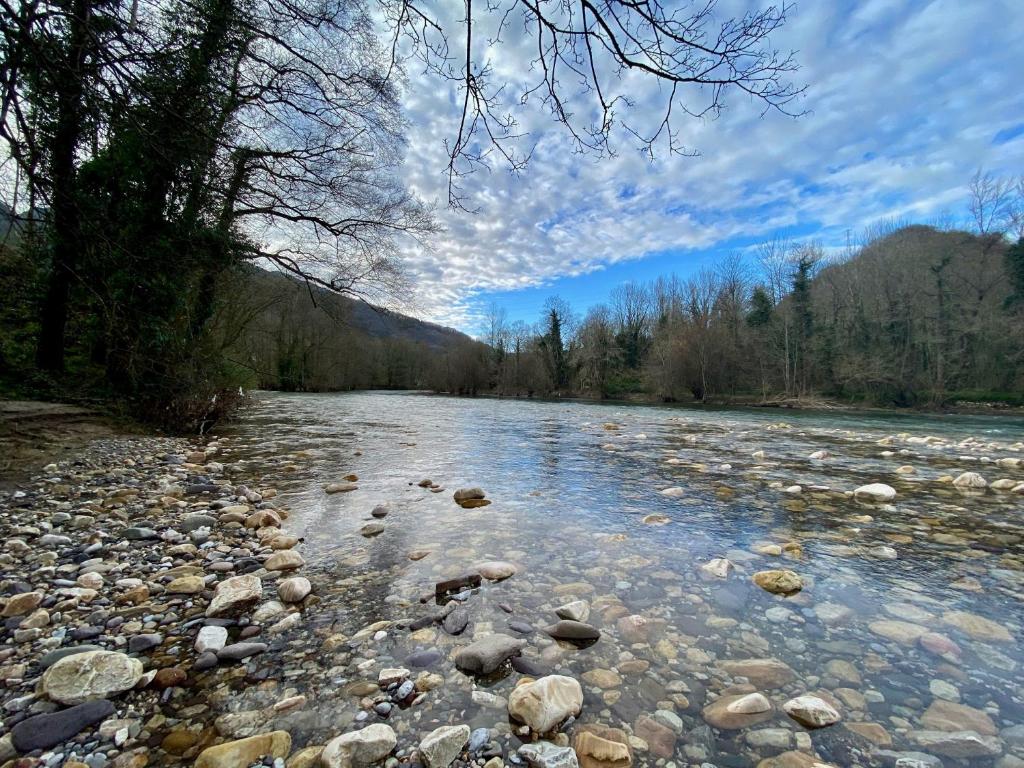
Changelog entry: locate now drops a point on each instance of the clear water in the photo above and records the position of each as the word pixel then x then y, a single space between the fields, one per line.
pixel 569 499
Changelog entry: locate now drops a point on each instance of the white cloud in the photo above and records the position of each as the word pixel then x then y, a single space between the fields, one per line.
pixel 904 102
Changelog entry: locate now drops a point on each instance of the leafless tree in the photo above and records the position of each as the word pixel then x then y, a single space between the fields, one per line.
pixel 991 202
pixel 592 47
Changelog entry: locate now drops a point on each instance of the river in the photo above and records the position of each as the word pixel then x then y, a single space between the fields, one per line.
pixel 908 623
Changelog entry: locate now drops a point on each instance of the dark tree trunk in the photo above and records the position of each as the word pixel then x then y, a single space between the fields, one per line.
pixel 65 219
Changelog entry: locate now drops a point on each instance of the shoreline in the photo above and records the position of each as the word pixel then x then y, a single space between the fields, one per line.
pixel 130 572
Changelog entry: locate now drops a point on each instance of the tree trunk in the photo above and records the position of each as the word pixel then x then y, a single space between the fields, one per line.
pixel 66 241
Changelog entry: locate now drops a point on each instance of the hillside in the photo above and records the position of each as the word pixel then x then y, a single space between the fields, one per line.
pixel 352 314
pixel 281 333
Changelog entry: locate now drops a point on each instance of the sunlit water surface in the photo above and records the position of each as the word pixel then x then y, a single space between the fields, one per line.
pixel 571 485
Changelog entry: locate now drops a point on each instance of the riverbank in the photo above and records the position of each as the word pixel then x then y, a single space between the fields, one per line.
pixel 129 571
pixel 35 433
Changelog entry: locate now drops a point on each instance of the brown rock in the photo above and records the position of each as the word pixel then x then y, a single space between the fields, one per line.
pixel 873 732
pixel 178 742
pixel 945 715
pixel 660 739
pixel 762 673
pixel 733 712
pixel 170 677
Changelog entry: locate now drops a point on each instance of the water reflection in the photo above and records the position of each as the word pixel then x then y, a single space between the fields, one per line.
pixel 571 485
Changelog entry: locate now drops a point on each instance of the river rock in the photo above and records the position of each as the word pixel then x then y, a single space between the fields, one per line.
pixel 488 653
pixel 717 568
pixel 970 481
pixel 371 529
pixel 240 651
pixel 812 712
pixel 244 752
pixel 978 627
pixel 544 754
pixel 779 582
pixel 440 747
pixel 211 638
pixel 661 739
pixel 875 492
pixel 577 610
pixel 902 632
pixel 186 585
pixel 496 570
pixel 53 728
pixel 19 605
pixel 736 711
pixel 601 747
pixel 358 749
pixel 762 673
pixel 91 675
pixel 456 621
pixel 465 494
pixel 294 590
pixel 340 487
pixel 284 560
pixel 958 744
pixel 575 631
pixel 949 716
pixel 545 703
pixel 380 511
pixel 47 660
pixel 235 595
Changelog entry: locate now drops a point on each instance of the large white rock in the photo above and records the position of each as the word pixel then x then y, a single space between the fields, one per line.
pixel 970 480
pixel 358 749
pixel 235 596
pixel 545 703
pixel 211 639
pixel 91 675
pixel 875 492
pixel 811 711
pixel 441 746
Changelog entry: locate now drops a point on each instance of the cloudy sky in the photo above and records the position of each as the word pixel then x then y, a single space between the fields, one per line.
pixel 904 101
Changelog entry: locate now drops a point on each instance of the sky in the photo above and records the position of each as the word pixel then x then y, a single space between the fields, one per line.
pixel 904 102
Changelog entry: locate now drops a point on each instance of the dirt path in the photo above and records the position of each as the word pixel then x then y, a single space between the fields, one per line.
pixel 34 434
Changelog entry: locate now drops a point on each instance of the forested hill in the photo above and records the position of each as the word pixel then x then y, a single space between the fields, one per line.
pixel 376 322
pixel 283 333
pixel 916 316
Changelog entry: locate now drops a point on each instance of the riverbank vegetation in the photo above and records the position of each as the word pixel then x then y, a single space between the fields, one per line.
pixel 919 315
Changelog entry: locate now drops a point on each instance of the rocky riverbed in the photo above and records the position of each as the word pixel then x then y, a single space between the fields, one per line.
pixel 159 608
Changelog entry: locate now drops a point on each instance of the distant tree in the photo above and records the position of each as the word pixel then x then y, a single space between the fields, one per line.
pixel 991 202
pixel 631 307
pixel 1015 272
pixel 552 345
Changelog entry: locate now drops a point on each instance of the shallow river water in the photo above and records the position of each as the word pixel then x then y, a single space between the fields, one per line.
pixel 909 621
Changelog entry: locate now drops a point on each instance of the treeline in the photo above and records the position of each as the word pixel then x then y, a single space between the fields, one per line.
pixel 917 315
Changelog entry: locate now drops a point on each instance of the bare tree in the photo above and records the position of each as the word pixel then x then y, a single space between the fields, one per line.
pixel 991 202
pixel 590 47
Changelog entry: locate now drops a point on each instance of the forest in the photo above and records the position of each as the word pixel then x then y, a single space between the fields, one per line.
pixel 917 316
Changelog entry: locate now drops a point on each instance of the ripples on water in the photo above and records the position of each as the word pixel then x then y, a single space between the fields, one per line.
pixel 569 496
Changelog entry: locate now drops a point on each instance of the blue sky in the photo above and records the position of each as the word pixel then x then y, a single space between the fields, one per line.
pixel 904 101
